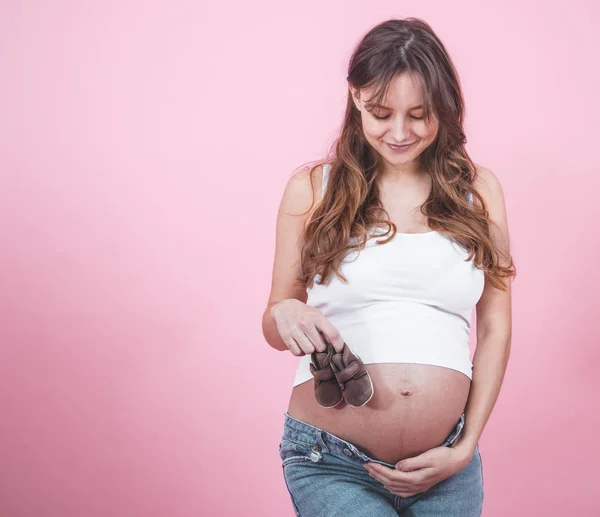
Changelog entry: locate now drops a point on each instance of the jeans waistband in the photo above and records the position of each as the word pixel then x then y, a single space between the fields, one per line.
pixel 319 439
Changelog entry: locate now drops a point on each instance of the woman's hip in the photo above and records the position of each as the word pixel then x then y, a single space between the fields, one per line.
pixel 324 475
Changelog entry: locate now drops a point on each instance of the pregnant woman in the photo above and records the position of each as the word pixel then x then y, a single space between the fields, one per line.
pixel 382 252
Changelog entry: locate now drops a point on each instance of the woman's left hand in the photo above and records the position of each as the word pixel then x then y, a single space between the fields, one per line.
pixel 418 474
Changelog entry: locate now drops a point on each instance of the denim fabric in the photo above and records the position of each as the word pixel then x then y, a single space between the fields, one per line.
pixel 325 477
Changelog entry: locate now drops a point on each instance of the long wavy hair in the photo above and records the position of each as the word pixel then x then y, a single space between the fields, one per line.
pixel 351 204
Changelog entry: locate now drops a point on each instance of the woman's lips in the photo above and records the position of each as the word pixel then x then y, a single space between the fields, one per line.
pixel 400 148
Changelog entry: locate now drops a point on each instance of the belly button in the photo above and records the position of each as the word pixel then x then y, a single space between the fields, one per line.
pixel 406 393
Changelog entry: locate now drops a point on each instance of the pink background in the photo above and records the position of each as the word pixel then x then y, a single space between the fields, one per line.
pixel 144 149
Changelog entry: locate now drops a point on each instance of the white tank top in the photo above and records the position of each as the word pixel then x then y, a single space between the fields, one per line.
pixel 407 301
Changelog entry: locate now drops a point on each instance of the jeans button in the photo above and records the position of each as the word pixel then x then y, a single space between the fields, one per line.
pixel 315 457
pixel 316 448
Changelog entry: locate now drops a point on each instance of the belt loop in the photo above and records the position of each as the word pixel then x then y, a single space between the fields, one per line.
pixel 321 441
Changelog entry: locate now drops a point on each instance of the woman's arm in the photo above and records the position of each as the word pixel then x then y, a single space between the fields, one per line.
pixel 494 326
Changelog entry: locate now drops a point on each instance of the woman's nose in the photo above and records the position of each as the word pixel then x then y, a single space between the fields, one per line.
pixel 399 130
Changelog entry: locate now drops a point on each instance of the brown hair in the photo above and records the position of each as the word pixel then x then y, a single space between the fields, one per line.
pixel 351 204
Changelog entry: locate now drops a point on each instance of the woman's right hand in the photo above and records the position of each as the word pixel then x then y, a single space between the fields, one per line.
pixel 303 328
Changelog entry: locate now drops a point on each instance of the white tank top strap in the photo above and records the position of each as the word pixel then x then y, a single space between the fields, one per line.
pixel 470 197
pixel 326 168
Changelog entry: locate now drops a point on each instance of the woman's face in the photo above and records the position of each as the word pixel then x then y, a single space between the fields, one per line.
pixel 398 122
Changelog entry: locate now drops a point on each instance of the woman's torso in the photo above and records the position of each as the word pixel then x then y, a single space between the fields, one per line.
pixel 415 406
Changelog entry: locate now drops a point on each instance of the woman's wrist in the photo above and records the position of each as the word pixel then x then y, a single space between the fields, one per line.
pixel 465 449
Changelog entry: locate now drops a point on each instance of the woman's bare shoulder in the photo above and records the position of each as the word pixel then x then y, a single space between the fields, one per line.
pixel 487 184
pixel 303 176
pixel 300 198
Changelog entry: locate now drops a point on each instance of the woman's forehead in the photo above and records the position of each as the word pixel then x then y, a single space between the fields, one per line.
pixel 402 90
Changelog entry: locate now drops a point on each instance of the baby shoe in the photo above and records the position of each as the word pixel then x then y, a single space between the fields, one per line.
pixel 327 390
pixel 353 377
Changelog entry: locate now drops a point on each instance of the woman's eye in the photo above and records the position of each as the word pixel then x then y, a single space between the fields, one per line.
pixel 388 116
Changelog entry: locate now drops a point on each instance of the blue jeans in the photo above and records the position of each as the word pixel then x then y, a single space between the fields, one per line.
pixel 325 477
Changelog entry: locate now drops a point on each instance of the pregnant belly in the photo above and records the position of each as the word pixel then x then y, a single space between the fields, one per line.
pixel 413 409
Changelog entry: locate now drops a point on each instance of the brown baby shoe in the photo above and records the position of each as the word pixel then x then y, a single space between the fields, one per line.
pixel 327 390
pixel 353 377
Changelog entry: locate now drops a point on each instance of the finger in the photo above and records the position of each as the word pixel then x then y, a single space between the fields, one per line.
pixel 331 334
pixel 418 483
pixel 380 472
pixel 293 347
pixel 391 476
pixel 316 338
pixel 417 462
pixel 401 488
pixel 303 342
pixel 393 486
